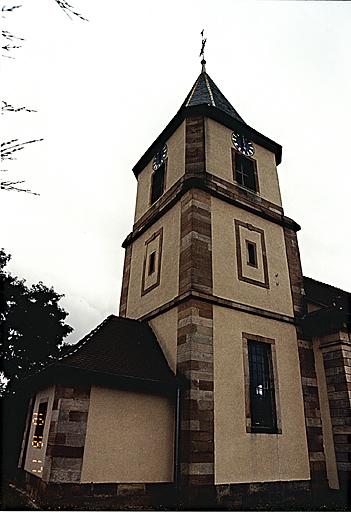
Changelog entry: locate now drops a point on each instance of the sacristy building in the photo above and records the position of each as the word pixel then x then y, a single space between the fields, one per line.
pixel 225 380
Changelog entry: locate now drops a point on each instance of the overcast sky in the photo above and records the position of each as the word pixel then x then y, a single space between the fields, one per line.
pixel 106 88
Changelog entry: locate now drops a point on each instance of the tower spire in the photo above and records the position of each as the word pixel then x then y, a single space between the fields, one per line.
pixel 202 52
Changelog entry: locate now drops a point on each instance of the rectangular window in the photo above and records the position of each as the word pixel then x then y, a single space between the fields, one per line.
pixel 251 254
pixel 157 183
pixel 245 171
pixel 152 259
pixel 152 262
pixel 261 387
pixel 39 422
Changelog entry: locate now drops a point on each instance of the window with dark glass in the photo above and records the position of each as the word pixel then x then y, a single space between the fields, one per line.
pixel 245 171
pixel 262 395
pixel 152 259
pixel 251 253
pixel 39 422
pixel 157 183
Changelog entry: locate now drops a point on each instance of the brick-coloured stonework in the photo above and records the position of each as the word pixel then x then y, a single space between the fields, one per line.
pixel 295 271
pixel 195 145
pixel 65 448
pixel 307 366
pixel 195 264
pixel 195 346
pixel 312 413
pixel 125 281
pixel 336 350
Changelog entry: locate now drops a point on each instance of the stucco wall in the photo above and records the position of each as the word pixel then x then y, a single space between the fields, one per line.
pixel 129 438
pixel 165 328
pixel 225 272
pixel 219 160
pixel 175 169
pixel 241 456
pixel 168 288
pixel 38 454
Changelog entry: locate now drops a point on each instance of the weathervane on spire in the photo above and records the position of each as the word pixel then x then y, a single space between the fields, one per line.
pixel 202 52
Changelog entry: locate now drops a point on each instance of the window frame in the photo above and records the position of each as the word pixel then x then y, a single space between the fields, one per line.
pixel 277 426
pixel 145 289
pixel 151 263
pixel 164 166
pixel 255 173
pixel 239 255
pixel 254 245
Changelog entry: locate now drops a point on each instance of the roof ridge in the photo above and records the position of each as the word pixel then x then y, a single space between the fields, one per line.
pixel 206 92
pixel 206 76
pixel 86 338
pixel 192 91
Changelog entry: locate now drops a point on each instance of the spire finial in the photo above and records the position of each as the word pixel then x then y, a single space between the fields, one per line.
pixel 202 52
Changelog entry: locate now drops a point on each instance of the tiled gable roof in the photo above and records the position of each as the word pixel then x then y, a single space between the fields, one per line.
pixel 206 92
pixel 122 347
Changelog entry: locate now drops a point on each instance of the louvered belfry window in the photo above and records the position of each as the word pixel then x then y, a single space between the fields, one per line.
pixel 157 183
pixel 262 394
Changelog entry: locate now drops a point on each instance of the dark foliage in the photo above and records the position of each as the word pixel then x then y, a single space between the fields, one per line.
pixel 32 324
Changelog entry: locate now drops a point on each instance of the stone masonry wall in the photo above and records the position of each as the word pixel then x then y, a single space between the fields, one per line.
pixel 125 281
pixel 195 329
pixel 307 366
pixel 336 350
pixel 64 453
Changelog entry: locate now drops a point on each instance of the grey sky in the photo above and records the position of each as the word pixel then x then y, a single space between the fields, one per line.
pixel 105 89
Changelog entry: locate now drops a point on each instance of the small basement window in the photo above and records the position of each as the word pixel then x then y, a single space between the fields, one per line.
pixel 245 171
pixel 251 254
pixel 157 183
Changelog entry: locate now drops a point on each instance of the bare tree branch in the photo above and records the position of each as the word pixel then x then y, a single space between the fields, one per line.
pixel 8 148
pixel 5 9
pixel 12 185
pixel 69 9
pixel 6 107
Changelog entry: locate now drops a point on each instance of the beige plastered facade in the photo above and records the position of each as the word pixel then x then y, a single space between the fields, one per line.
pixel 167 290
pixel 165 328
pixel 35 457
pixel 175 170
pixel 226 283
pixel 328 440
pixel 242 457
pixel 129 438
pixel 219 161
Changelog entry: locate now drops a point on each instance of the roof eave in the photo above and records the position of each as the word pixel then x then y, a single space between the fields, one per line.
pixel 215 114
pixel 60 373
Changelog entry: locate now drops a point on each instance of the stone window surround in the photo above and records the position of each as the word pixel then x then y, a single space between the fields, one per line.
pixel 158 233
pixel 241 277
pixel 254 337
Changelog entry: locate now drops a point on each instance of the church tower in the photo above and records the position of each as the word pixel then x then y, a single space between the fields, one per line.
pixel 212 263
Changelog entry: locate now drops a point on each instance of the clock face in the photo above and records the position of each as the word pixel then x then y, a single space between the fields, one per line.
pixel 242 144
pixel 159 158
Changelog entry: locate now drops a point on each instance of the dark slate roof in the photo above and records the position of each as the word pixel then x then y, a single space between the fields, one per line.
pixel 205 99
pixel 122 347
pixel 206 92
pixel 322 293
pixel 335 308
